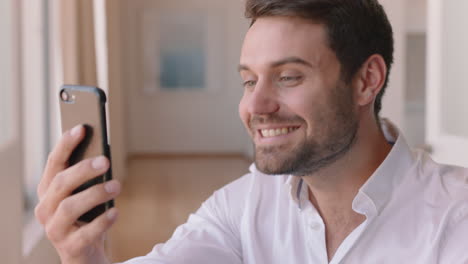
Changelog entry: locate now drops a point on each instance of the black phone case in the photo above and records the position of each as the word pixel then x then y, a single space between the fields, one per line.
pixel 86 105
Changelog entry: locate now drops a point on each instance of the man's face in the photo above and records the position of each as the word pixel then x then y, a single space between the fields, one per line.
pixel 299 113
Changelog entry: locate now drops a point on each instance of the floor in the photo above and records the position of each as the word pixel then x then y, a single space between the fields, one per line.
pixel 160 193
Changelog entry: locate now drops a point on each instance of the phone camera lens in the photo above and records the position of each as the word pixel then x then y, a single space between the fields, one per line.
pixel 65 96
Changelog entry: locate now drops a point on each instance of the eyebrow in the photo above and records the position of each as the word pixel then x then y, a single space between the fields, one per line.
pixel 288 60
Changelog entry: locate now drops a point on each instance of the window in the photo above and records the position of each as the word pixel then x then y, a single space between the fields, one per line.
pixel 182 54
pixel 35 102
pixel 5 77
pixel 35 94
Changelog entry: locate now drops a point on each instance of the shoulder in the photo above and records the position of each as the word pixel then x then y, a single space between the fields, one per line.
pixel 449 179
pixel 443 185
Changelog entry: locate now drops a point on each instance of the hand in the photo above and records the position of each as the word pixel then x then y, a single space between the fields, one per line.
pixel 58 210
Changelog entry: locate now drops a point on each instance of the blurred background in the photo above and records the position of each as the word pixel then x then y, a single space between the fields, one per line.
pixel 169 69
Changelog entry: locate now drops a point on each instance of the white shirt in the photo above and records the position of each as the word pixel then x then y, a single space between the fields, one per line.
pixel 416 212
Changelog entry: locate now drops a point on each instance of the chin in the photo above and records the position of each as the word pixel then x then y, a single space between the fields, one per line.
pixel 288 167
pixel 268 169
pixel 271 163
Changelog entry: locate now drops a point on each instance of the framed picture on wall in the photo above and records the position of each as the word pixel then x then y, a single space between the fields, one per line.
pixel 182 51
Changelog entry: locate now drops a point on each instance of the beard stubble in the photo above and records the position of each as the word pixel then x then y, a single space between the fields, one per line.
pixel 335 131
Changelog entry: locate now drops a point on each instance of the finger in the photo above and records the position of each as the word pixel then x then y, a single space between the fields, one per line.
pixel 58 158
pixel 66 181
pixel 70 209
pixel 91 233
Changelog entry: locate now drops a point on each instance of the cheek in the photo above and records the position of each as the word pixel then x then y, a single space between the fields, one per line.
pixel 300 104
pixel 243 113
pixel 312 107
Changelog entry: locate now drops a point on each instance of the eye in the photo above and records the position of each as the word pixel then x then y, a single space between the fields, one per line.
pixel 249 83
pixel 290 80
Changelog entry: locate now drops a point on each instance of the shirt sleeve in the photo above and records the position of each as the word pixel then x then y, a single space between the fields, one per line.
pixel 210 235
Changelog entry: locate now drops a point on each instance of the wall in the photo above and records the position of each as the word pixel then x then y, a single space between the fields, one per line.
pixel 10 147
pixel 416 16
pixel 415 81
pixel 393 100
pixel 415 95
pixel 118 104
pixel 454 70
pixel 184 122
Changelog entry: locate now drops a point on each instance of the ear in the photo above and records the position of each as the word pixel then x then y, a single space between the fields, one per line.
pixel 370 79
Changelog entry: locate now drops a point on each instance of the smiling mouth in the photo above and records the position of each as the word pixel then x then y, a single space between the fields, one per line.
pixel 268 133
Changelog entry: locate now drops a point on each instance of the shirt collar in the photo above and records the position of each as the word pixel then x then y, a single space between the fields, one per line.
pixel 379 187
pixel 377 190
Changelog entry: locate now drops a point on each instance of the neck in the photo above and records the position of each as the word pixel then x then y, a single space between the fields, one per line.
pixel 332 189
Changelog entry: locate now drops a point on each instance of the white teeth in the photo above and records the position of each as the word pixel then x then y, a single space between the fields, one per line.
pixel 271 133
pixel 277 131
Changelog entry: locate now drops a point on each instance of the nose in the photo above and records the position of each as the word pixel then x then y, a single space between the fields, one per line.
pixel 262 100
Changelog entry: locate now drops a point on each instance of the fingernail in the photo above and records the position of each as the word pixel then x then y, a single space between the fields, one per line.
pixel 112 214
pixel 112 186
pixel 99 163
pixel 76 130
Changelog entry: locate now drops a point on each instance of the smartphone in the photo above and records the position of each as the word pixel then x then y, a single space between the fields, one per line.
pixel 86 105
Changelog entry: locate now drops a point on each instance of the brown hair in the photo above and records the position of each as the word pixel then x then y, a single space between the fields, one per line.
pixel 356 29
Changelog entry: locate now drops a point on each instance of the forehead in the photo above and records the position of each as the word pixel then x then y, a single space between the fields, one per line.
pixel 272 39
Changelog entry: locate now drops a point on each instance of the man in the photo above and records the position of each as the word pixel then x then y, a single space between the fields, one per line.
pixel 332 183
